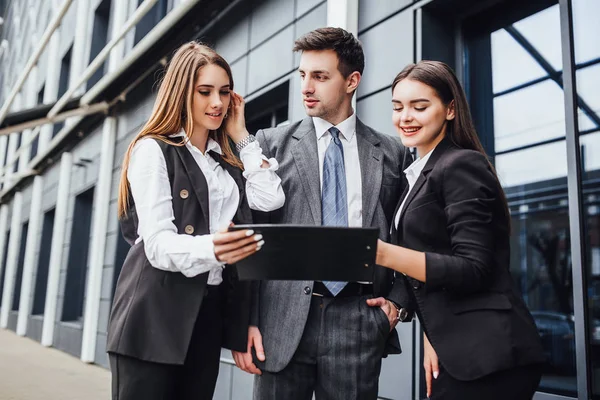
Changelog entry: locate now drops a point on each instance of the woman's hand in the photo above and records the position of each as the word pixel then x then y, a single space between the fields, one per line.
pixel 430 363
pixel 231 247
pixel 235 123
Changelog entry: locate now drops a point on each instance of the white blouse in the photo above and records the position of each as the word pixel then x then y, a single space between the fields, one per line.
pixel 151 190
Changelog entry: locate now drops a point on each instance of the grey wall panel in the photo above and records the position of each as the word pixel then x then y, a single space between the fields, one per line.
pixel 34 327
pixel 67 337
pixel 111 241
pixel 243 383
pixel 103 315
pixel 305 5
pixel 270 61
pixel 395 381
pixel 240 71
pixel 382 61
pixel 129 124
pixel 223 388
pixel 376 111
pixel 26 205
pixel 12 319
pixel 101 358
pixel 67 30
pixel 269 17
pixel 370 12
pixel 296 107
pixel 121 147
pixel 311 21
pixel 234 43
pixel 49 199
pixel 115 182
pixel 106 291
pixel 113 220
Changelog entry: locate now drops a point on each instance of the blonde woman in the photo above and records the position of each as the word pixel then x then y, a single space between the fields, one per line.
pixel 177 301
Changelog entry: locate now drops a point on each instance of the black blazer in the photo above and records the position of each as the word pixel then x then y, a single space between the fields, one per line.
pixel 470 310
pixel 154 311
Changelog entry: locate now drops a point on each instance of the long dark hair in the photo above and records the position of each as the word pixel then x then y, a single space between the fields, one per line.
pixel 461 130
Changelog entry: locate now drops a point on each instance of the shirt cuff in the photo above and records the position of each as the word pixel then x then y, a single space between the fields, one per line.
pixel 204 253
pixel 210 248
pixel 252 158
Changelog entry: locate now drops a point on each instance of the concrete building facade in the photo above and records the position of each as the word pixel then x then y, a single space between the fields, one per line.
pixel 532 74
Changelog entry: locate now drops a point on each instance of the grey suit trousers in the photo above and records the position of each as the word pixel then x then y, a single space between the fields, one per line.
pixel 339 355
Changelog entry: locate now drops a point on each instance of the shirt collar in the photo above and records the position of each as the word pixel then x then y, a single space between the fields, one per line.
pixel 347 127
pixel 211 144
pixel 415 169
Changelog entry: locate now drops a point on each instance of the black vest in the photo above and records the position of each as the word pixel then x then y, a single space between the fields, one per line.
pixel 154 311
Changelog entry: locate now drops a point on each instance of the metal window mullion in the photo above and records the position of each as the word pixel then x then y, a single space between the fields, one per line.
pixel 574 187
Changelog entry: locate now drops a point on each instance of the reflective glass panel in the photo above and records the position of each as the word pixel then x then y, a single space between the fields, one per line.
pixel 587 52
pixel 531 160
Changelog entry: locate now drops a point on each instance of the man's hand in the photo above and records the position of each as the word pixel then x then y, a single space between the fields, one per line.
pixel 430 363
pixel 244 360
pixel 388 308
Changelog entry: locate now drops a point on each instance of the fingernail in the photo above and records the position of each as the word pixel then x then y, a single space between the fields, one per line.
pixel 249 232
pixel 258 237
pixel 260 244
pixel 435 374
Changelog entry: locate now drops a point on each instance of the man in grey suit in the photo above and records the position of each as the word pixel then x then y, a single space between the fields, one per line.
pixel 328 338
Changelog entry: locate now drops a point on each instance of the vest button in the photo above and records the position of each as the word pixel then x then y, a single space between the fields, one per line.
pixel 189 229
pixel 184 194
pixel 307 290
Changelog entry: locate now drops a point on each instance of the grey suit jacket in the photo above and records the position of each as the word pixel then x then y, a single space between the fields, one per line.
pixel 280 308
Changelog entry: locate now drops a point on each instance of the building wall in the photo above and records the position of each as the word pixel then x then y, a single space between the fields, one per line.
pixel 258 44
pixel 256 38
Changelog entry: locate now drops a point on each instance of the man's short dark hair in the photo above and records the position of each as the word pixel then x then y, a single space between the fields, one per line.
pixel 346 46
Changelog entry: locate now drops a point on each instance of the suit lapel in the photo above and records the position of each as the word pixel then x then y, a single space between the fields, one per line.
pixel 435 156
pixel 197 179
pixel 371 170
pixel 306 157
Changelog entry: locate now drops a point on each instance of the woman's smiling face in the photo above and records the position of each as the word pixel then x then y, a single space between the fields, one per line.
pixel 419 115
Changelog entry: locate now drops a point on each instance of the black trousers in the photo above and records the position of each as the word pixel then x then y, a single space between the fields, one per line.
pixel 515 384
pixel 135 379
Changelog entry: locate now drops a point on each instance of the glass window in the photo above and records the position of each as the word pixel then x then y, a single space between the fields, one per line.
pixel 527 123
pixel 542 30
pixel 587 52
pixel 268 110
pixel 508 74
pixel 586 29
pixel 520 118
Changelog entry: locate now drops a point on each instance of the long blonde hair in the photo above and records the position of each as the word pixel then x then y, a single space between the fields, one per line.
pixel 172 109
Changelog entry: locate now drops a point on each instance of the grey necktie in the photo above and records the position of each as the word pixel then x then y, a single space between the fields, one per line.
pixel 334 201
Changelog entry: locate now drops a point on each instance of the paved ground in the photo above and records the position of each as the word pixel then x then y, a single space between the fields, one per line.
pixel 30 371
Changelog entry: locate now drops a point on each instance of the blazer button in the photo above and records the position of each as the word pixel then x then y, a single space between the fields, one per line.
pixel 184 194
pixel 189 229
pixel 307 290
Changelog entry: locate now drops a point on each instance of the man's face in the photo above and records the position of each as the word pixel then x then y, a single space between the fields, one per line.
pixel 325 92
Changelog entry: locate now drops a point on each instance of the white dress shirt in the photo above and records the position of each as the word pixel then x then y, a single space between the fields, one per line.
pixel 412 174
pixel 347 129
pixel 151 190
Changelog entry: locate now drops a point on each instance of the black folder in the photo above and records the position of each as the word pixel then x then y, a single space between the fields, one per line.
pixel 302 252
